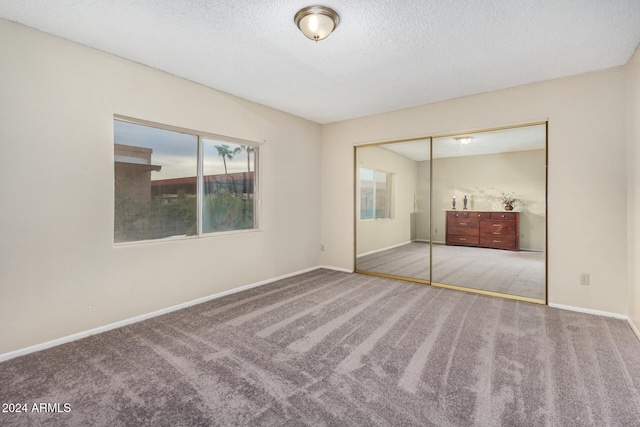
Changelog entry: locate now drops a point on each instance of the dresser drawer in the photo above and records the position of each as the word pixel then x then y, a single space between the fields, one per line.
pixel 457 214
pixel 504 215
pixel 462 223
pixel 468 215
pixel 497 227
pixel 464 231
pixel 496 230
pixel 479 215
pixel 462 240
pixel 499 242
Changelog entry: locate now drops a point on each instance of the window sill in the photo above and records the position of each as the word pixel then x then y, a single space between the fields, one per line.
pixel 183 238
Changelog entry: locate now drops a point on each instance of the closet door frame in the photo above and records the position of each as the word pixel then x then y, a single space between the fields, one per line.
pixel 430 281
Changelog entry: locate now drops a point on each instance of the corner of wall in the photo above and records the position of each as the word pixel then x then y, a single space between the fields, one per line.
pixel 633 188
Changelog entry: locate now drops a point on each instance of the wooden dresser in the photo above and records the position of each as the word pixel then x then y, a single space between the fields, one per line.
pixel 499 230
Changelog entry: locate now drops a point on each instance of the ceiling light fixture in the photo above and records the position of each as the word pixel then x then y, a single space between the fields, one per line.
pixel 317 22
pixel 464 140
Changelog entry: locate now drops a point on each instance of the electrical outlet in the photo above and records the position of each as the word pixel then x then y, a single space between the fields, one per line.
pixel 584 279
pixel 322 248
pixel 435 231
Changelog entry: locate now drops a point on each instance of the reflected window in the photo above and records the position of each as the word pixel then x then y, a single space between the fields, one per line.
pixel 375 194
pixel 161 190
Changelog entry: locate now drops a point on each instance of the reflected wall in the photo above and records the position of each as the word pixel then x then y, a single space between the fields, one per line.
pixel 386 244
pixel 488 246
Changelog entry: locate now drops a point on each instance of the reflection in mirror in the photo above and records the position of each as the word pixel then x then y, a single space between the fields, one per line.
pixel 392 209
pixel 491 245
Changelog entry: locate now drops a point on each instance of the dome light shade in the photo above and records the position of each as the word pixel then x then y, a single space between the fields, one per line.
pixel 464 140
pixel 317 22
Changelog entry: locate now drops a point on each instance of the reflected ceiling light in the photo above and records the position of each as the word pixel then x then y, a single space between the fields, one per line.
pixel 464 140
pixel 317 22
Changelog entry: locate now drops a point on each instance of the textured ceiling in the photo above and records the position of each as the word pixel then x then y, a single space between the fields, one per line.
pixel 482 143
pixel 385 55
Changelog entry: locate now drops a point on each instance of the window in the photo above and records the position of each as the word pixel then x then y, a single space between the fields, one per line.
pixel 375 194
pixel 175 184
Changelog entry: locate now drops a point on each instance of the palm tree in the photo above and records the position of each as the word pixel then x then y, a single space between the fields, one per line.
pixel 248 183
pixel 226 153
pixel 248 149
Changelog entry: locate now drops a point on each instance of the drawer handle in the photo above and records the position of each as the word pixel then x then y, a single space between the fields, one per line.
pixel 497 232
pixel 463 223
pixel 502 216
pixel 462 238
pixel 497 241
pixel 497 225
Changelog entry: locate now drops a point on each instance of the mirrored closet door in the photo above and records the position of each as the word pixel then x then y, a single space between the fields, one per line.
pixel 462 211
pixel 392 209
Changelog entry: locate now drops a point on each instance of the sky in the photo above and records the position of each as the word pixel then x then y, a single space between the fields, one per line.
pixel 176 152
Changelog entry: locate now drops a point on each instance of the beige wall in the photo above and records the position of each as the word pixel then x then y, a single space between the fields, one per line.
pixel 587 219
pixel 482 178
pixel 633 165
pixel 60 273
pixel 423 202
pixel 379 234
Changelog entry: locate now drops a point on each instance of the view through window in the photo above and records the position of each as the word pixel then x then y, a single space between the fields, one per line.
pixel 375 194
pixel 165 189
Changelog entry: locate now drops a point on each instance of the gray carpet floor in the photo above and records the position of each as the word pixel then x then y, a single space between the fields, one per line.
pixel 339 349
pixel 515 273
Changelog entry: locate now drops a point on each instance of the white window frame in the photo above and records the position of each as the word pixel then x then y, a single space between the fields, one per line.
pixel 257 190
pixel 389 197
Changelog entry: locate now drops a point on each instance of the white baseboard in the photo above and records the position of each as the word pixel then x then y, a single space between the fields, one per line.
pixel 105 328
pixel 384 249
pixel 599 313
pixel 329 267
pixel 589 311
pixel 634 328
